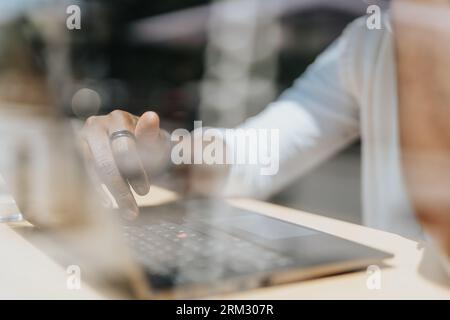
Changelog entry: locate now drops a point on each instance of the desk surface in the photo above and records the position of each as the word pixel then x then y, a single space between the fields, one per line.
pixel 413 273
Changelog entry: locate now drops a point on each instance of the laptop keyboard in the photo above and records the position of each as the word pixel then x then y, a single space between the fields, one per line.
pixel 186 255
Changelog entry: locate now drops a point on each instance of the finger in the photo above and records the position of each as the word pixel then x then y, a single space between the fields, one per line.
pixel 93 176
pixel 127 157
pixel 153 142
pixel 147 128
pixel 110 174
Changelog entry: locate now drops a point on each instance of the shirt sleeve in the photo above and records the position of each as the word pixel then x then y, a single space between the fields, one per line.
pixel 315 118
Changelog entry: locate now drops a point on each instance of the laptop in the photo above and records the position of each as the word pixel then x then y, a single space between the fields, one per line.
pixel 189 248
pixel 208 246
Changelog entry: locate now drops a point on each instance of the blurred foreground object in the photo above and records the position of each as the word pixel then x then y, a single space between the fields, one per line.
pixel 42 167
pixel 8 212
pixel 423 53
pixel 38 163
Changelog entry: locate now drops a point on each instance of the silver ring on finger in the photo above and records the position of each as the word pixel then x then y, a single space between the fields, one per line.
pixel 121 133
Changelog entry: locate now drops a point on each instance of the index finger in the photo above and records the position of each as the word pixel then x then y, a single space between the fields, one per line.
pixel 110 174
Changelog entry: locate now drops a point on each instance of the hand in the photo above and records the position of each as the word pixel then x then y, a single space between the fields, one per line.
pixel 125 161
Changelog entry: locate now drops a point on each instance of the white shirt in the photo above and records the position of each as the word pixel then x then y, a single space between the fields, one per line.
pixel 348 92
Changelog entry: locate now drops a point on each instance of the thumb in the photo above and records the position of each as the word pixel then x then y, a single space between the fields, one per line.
pixel 147 127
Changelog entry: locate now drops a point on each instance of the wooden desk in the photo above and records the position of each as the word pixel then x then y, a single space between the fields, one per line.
pixel 414 272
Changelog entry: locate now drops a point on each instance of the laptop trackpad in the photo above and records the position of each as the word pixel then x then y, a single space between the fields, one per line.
pixel 261 226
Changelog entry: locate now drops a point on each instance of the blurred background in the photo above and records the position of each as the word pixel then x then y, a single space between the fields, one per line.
pixel 217 61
